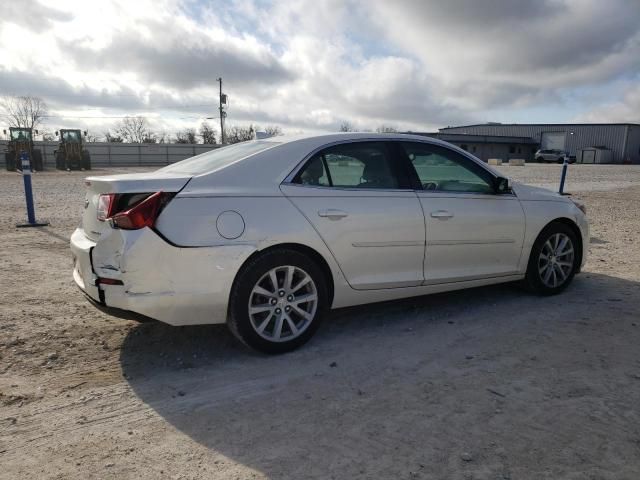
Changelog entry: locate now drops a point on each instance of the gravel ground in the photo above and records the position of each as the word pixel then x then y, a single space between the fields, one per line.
pixel 482 384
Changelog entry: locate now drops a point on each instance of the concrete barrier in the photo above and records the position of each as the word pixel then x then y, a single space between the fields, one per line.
pixel 516 162
pixel 495 161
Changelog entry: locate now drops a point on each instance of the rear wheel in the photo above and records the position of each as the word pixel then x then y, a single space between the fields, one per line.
pixel 553 261
pixel 10 161
pixel 86 160
pixel 60 161
pixel 278 301
pixel 37 164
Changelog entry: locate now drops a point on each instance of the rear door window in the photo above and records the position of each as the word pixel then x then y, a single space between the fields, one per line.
pixel 362 165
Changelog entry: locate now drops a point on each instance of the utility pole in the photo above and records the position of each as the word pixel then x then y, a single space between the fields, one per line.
pixel 221 112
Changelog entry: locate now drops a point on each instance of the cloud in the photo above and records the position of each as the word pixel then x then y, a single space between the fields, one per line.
pixel 309 65
pixel 622 111
pixel 178 58
pixel 494 52
pixel 32 14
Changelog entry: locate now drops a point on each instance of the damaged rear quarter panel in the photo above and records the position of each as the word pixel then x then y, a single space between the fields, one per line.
pixel 179 286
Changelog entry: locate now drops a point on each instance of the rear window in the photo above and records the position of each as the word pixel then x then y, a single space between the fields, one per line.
pixel 218 158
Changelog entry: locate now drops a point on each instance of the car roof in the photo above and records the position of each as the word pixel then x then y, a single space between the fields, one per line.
pixel 313 141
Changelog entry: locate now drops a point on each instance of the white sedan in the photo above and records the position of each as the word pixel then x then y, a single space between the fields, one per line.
pixel 268 235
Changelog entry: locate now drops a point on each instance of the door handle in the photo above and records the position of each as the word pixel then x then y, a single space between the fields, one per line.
pixel 442 214
pixel 332 214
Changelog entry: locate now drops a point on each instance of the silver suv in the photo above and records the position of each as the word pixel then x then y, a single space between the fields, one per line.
pixel 553 156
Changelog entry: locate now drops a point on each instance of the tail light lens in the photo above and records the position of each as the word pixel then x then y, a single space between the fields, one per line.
pixel 105 205
pixel 132 211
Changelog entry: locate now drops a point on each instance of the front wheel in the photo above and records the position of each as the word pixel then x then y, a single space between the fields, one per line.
pixel 553 261
pixel 277 301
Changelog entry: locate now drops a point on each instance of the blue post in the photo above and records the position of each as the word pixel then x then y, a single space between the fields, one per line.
pixel 565 164
pixel 28 192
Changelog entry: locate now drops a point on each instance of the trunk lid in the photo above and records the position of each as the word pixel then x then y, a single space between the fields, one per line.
pixel 148 182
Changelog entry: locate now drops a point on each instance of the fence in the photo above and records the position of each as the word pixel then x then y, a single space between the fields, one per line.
pixel 105 154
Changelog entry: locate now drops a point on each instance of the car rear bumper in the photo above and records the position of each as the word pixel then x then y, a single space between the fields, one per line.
pixel 178 286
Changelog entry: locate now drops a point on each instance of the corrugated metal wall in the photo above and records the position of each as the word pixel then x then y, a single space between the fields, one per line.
pixel 577 136
pixel 633 144
pixel 126 154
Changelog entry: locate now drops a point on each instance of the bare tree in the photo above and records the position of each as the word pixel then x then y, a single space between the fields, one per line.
pixel 109 137
pixel 208 133
pixel 134 130
pixel 346 126
pixel 188 135
pixel 386 129
pixel 91 138
pixel 24 111
pixel 273 130
pixel 239 134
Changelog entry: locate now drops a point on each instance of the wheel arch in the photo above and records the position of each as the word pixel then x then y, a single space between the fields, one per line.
pixel 303 249
pixel 576 231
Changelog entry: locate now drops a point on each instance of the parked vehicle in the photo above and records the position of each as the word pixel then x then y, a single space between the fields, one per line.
pixel 268 235
pixel 553 156
pixel 21 140
pixel 70 155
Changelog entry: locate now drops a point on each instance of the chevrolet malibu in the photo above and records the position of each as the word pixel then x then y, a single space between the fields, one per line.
pixel 267 235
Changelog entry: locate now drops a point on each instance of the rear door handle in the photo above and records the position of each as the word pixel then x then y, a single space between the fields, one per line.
pixel 332 214
pixel 443 214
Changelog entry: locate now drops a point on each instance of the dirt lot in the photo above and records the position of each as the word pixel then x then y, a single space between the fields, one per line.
pixel 483 384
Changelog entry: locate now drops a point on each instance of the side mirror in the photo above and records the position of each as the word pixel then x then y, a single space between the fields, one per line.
pixel 37 133
pixel 502 185
pixel 85 133
pixel 56 133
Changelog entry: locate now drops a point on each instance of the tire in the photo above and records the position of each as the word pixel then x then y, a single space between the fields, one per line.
pixel 542 275
pixel 60 161
pixel 257 274
pixel 86 160
pixel 37 161
pixel 10 161
pixel 560 160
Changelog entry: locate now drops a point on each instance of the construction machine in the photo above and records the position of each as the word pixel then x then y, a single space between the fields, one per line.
pixel 70 155
pixel 21 139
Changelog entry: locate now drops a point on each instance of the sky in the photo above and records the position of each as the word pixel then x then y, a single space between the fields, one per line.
pixel 308 65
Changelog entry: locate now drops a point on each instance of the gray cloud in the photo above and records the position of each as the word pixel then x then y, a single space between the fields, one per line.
pixel 32 14
pixel 515 46
pixel 181 59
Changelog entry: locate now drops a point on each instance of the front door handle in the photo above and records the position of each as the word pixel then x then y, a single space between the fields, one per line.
pixel 332 214
pixel 442 214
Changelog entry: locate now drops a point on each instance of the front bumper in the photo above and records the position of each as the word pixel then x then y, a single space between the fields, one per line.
pixel 178 286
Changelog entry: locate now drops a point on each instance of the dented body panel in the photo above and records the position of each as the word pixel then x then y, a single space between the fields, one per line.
pixel 178 286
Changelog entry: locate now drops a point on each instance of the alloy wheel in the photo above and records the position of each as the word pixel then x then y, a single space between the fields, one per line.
pixel 283 303
pixel 556 259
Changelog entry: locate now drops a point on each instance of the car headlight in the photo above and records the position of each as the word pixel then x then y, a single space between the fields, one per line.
pixel 579 204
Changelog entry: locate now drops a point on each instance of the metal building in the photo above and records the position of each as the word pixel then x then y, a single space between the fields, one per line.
pixel 490 146
pixel 622 139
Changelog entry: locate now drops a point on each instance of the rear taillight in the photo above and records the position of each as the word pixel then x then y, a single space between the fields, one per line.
pixel 143 214
pixel 105 206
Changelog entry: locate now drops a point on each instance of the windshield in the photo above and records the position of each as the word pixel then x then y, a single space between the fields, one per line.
pixel 21 134
pixel 72 136
pixel 218 157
